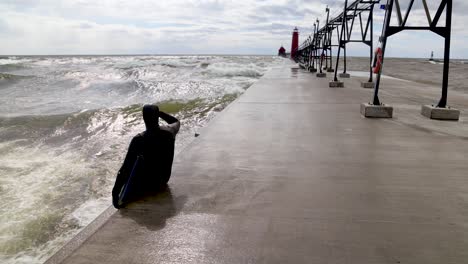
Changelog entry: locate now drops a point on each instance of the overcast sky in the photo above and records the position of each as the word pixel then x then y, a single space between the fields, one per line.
pixel 191 27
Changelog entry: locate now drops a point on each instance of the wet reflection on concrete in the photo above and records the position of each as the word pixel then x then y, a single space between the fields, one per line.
pixel 153 209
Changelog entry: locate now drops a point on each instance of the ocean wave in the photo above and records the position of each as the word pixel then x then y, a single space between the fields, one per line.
pixel 12 77
pixel 14 60
pixel 204 65
pixel 59 129
pixel 89 77
pixel 12 67
pixel 184 62
pixel 234 69
pixel 52 154
pixel 29 127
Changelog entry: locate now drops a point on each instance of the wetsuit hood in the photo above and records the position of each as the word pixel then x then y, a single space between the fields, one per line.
pixel 151 117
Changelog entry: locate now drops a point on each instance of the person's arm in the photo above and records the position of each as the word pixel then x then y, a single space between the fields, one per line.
pixel 124 172
pixel 174 123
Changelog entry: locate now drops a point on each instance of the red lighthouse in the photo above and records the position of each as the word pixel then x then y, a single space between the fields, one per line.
pixel 295 42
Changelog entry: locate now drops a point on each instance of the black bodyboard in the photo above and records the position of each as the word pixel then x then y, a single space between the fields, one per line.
pixel 127 191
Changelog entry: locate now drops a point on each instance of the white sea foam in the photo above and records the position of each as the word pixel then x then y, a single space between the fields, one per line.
pixel 234 69
pixel 88 211
pixel 9 61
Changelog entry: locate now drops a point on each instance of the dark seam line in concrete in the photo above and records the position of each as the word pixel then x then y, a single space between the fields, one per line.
pixel 429 131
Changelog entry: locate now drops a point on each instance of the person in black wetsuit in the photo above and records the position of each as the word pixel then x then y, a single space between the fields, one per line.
pixel 156 146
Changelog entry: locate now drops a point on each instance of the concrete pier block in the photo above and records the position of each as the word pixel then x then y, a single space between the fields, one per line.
pixel 433 112
pixel 376 111
pixel 330 70
pixel 336 84
pixel 345 75
pixel 321 75
pixel 367 85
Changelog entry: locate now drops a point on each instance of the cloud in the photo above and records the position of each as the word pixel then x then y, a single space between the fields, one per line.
pixel 178 26
pixel 5 28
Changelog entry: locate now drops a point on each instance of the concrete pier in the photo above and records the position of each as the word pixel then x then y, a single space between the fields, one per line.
pixel 336 84
pixel 292 173
pixel 321 75
pixel 367 85
pixel 344 75
pixel 433 112
pixel 376 111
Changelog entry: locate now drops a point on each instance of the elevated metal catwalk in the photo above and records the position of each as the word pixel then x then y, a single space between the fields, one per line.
pixel 317 49
pixel 351 17
pixel 433 25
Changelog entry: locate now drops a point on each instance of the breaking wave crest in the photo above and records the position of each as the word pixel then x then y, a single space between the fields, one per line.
pixel 11 77
pixel 12 67
pixel 234 69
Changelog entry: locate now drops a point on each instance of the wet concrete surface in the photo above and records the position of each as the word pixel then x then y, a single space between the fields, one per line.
pixel 292 173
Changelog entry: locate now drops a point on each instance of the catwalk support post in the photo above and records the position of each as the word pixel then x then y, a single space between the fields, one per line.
pixel 441 111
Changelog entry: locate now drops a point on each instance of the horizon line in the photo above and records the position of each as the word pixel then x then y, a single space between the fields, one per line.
pixel 186 54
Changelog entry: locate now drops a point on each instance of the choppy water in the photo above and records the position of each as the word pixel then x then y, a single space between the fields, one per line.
pixel 419 70
pixel 65 125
